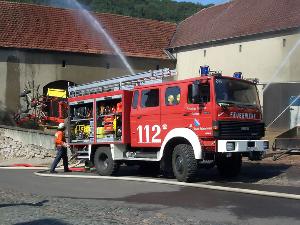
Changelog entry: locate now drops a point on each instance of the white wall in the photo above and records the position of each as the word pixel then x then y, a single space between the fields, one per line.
pixel 258 58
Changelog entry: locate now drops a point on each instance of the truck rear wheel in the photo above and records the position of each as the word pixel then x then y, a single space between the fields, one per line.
pixel 104 163
pixel 229 166
pixel 184 163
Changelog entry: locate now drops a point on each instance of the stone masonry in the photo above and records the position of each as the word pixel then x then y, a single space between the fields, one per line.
pixel 12 149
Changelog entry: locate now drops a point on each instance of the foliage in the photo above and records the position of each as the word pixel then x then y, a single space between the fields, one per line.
pixel 164 10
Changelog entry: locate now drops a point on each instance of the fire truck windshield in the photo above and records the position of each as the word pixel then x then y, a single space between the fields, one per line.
pixel 236 92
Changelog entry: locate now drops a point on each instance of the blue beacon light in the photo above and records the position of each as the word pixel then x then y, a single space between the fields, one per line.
pixel 237 75
pixel 204 70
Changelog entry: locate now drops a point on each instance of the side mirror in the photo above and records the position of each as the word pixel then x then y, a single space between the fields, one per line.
pixel 196 92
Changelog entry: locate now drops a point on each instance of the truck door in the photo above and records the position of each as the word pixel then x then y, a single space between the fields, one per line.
pixel 180 111
pixel 172 108
pixel 145 118
pixel 200 120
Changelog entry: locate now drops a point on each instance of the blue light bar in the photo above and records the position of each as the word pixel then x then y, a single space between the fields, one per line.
pixel 237 75
pixel 204 70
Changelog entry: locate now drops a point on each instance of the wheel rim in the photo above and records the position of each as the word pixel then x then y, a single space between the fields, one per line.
pixel 103 161
pixel 179 164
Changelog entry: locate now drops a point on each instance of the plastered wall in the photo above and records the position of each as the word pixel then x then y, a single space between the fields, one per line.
pixel 19 66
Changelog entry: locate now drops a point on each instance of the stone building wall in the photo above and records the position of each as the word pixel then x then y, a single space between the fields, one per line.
pixel 13 149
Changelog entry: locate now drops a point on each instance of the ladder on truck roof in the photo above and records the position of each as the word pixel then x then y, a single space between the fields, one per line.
pixel 126 82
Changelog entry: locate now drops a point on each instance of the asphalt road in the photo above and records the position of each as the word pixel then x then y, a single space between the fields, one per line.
pixel 29 199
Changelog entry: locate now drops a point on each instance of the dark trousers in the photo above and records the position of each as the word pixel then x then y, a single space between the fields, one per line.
pixel 61 154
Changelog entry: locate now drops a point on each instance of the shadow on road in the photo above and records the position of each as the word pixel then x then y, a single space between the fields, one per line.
pixel 44 222
pixel 254 172
pixel 250 173
pixel 38 204
pixel 243 206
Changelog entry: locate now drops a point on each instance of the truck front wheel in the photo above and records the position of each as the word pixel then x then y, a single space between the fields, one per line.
pixel 229 166
pixel 184 163
pixel 104 163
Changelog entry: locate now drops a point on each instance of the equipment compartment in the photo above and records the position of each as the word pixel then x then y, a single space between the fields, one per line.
pixel 109 119
pixel 81 122
pixel 100 118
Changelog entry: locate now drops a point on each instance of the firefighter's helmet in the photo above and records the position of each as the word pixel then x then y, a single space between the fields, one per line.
pixel 61 126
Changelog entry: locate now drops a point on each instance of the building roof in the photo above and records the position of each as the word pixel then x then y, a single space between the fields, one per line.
pixel 237 18
pixel 29 26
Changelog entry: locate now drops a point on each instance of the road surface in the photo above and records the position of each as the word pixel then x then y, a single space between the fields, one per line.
pixel 29 199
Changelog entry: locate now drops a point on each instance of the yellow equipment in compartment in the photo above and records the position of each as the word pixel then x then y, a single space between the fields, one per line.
pixel 84 129
pixel 100 132
pixel 57 93
pixel 109 128
pixel 115 124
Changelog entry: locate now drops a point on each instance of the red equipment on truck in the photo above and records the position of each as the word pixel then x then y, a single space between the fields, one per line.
pixel 175 126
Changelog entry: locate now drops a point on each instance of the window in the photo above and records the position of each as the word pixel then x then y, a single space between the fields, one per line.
pixel 204 94
pixel 150 98
pixel 135 99
pixel 236 92
pixel 172 96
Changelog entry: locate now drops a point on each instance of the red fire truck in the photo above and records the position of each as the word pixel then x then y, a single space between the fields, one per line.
pixel 175 127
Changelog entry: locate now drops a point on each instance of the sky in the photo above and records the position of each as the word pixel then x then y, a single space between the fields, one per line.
pixel 204 2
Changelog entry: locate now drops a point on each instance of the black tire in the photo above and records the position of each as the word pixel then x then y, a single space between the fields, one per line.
pixel 229 167
pixel 166 167
pixel 184 163
pixel 104 163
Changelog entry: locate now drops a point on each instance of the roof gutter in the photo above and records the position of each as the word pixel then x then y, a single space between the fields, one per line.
pixel 169 54
pixel 234 38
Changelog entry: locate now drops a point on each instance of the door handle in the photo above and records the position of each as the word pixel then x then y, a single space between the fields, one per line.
pixel 139 117
pixel 186 114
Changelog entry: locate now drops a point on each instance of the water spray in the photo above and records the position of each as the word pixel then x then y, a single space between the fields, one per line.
pixel 283 111
pixel 99 28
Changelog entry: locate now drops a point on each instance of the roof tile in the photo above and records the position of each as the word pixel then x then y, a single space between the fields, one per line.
pixel 41 27
pixel 237 18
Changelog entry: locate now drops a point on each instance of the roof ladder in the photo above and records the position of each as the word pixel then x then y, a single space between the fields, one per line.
pixel 121 83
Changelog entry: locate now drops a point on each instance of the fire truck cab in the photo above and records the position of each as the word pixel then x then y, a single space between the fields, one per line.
pixel 175 127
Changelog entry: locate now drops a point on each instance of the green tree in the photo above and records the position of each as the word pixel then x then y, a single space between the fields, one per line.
pixel 165 10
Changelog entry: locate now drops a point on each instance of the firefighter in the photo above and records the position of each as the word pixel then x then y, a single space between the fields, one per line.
pixel 178 98
pixel 61 149
pixel 171 100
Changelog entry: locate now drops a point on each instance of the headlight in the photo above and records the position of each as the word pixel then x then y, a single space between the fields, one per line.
pixel 266 145
pixel 230 146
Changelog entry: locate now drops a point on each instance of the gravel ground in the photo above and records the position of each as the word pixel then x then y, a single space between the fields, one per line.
pixel 282 172
pixel 19 208
pixel 292 159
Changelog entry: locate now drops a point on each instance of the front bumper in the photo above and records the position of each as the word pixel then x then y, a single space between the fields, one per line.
pixel 230 146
